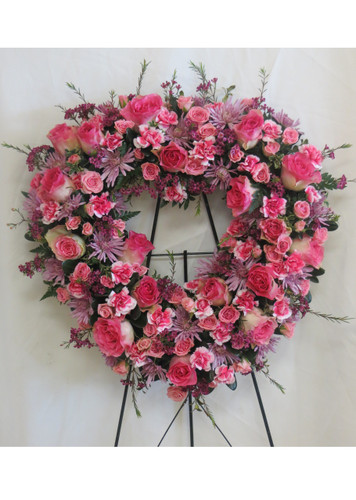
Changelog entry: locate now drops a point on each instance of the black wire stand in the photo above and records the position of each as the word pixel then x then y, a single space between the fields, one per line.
pixel 189 399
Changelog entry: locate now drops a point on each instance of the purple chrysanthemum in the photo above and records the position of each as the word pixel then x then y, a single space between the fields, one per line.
pixel 220 174
pixel 53 271
pixel 320 213
pixel 227 114
pixel 218 264
pixel 106 247
pixel 32 204
pixel 71 204
pixel 81 309
pixel 150 371
pixel 222 356
pixel 179 133
pixel 238 272
pixel 285 120
pixel 56 160
pixel 184 327
pixel 264 349
pixel 114 164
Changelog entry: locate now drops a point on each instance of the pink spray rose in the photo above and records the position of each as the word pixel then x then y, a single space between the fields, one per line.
pixel 239 197
pixel 301 209
pixel 64 244
pixel 91 182
pixel 136 248
pixel 198 114
pixel 177 394
pixel 290 136
pixel 310 250
pixel 173 158
pixel 249 130
pixel 142 109
pixel 63 137
pixel 215 291
pixel 113 336
pixel 180 371
pixel 260 280
pixel 150 171
pixel 90 134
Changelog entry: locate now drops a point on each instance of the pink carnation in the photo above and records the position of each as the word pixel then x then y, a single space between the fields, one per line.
pixel 201 359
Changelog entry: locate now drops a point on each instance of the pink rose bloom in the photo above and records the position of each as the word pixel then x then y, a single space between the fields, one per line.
pixel 188 304
pixel 198 114
pixel 121 368
pixel 87 229
pixel 55 186
pixel 166 118
pixel 312 194
pixel 321 235
pixel 142 109
pixel 262 333
pixel 237 227
pixel 271 130
pixel 146 293
pixel 180 371
pixel 176 296
pixel 304 287
pixel 281 309
pixel 156 350
pixel 173 158
pixel 271 148
pixel 143 344
pixel 272 207
pixel 260 281
pixel 121 272
pixel 209 322
pixel 150 330
pixel 77 290
pixel 243 367
pixel 63 138
pixel 284 243
pixel 122 302
pixel 215 291
pixel 150 171
pixel 161 319
pixel 183 347
pixel 81 272
pixel 239 197
pixel 299 225
pixel 91 182
pixel 294 263
pixel 224 375
pixel 113 336
pixel 228 314
pixel 301 209
pixel 249 130
pixel 177 394
pixel 298 172
pixel 107 282
pixel 201 359
pixel 272 229
pixel 150 137
pixel 101 205
pixel 235 154
pixel 122 125
pixel 221 334
pixel 195 167
pixel 272 255
pixel 50 211
pixel 136 248
pixel 139 155
pixel 290 136
pixel 90 134
pixel 287 329
pixel 309 250
pixel 175 193
pixel 207 131
pixel 62 295
pixel 73 223
pixel 105 311
pixel 73 159
pixel 260 173
pixel 184 102
pixel 65 245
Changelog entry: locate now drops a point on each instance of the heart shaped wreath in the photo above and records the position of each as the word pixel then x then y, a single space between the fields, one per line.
pixel 250 293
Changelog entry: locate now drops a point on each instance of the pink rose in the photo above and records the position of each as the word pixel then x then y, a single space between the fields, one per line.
pixel 183 347
pixel 62 295
pixel 105 311
pixel 201 359
pixel 146 292
pixel 55 186
pixel 198 114
pixel 195 167
pixel 136 248
pixel 122 125
pixel 90 134
pixel 298 171
pixel 206 131
pixel 228 314
pixel 91 182
pixel 287 329
pixel 65 245
pixel 321 235
pixel 272 207
pixel 50 211
pixel 284 243
pixel 239 197
pixel 173 158
pixel 262 333
pixel 224 374
pixel 142 109
pixel 290 136
pixel 271 148
pixel 271 253
pixel 73 223
pixel 150 330
pixel 150 171
pixel 121 368
pixel 271 130
pixel 215 291
pixel 180 371
pixel 260 173
pixel 249 130
pixel 235 154
pixel 301 209
pixel 272 229
pixel 81 272
pixel 77 290
pixel 299 225
pixel 237 227
pixel 309 250
pixel 113 336
pixel 177 394
pixel 260 280
pixel 184 102
pixel 63 138
pixel 73 159
pixel 188 304
pixel 87 229
pixel 209 322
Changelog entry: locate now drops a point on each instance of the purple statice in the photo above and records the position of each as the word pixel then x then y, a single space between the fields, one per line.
pixel 217 264
pixel 285 120
pixel 69 205
pixel 184 327
pixel 179 133
pixel 150 371
pixel 227 114
pixel 105 247
pixel 53 271
pixel 264 349
pixel 238 272
pixel 32 204
pixel 220 174
pixel 81 309
pixel 222 356
pixel 114 164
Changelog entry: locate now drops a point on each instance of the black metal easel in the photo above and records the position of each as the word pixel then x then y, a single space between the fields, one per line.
pixel 185 254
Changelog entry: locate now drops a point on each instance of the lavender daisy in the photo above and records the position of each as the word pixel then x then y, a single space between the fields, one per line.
pixel 53 271
pixel 114 164
pixel 220 174
pixel 227 114
pixel 106 247
pixel 184 327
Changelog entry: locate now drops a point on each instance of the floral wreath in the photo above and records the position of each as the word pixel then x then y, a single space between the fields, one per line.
pixel 256 285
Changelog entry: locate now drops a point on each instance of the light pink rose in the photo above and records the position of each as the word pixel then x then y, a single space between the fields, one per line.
pixel 290 136
pixel 310 250
pixel 182 347
pixel 199 115
pixel 143 344
pixel 235 154
pixel 77 290
pixel 63 138
pixel 284 243
pixel 209 322
pixel 65 245
pixel 261 173
pixel 224 374
pixel 81 272
pixel 271 253
pixel 299 225
pixel 260 281
pixel 271 130
pixel 87 229
pixel 105 311
pixel 55 186
pixel 90 134
pixel 301 209
pixel 62 295
pixel 298 172
pixel 287 329
pixel 321 235
pixel 142 109
pixel 121 368
pixel 50 211
pixel 122 125
pixel 73 223
pixel 136 248
pixel 201 359
pixel 214 290
pixel 188 304
pixel 195 167
pixel 173 158
pixel 91 182
pixel 249 130
pixel 207 131
pixel 73 159
pixel 228 314
pixel 239 197
pixel 180 372
pixel 271 148
pixel 113 336
pixel 150 171
pixel 150 330
pixel 184 102
pixel 177 394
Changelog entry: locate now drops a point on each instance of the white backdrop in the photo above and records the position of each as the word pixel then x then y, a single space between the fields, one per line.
pixel 58 397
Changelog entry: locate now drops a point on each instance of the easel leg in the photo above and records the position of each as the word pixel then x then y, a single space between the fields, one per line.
pixel 122 411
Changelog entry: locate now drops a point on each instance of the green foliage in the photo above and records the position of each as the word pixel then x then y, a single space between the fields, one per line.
pixel 51 292
pixel 256 201
pixel 330 317
pixel 76 91
pixel 144 66
pixel 68 266
pixel 16 148
pixel 328 182
pixel 228 92
pixel 129 215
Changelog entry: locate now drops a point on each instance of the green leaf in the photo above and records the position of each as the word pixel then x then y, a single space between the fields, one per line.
pixel 332 226
pixel 26 195
pixel 68 266
pixel 29 237
pixel 233 385
pixel 50 293
pixel 128 215
pixel 256 201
